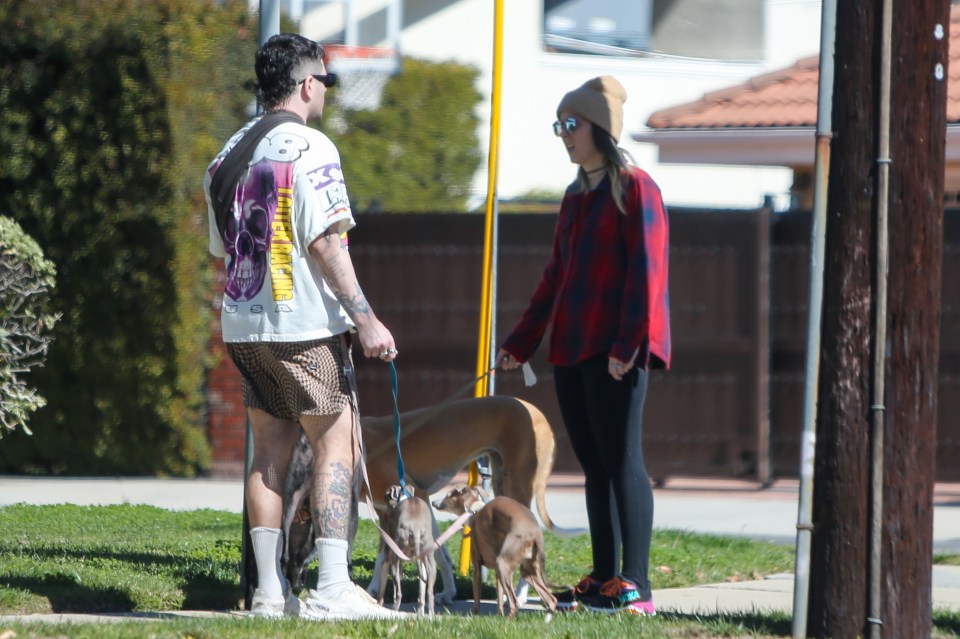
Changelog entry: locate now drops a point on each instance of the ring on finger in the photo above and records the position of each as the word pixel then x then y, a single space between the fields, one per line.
pixel 383 354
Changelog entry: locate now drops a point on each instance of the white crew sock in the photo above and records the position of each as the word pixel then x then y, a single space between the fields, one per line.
pixel 266 551
pixel 333 577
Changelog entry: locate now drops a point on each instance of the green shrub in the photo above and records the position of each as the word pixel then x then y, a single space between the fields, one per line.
pixel 26 280
pixel 110 111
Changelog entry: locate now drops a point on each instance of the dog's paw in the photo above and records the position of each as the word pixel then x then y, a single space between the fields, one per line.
pixel 445 598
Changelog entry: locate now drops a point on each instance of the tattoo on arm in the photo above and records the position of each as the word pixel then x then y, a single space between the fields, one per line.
pixel 333 502
pixel 335 270
pixel 356 304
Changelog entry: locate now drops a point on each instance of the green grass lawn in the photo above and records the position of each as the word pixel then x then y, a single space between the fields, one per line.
pixel 112 559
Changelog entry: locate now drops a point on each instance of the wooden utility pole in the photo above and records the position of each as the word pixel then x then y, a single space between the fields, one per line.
pixel 839 602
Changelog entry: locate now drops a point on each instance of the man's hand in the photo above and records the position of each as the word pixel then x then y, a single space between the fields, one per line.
pixel 376 340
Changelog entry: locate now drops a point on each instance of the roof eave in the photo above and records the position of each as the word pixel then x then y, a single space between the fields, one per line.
pixel 762 146
pixel 751 146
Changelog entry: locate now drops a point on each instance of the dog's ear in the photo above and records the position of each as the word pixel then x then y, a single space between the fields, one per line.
pixel 409 490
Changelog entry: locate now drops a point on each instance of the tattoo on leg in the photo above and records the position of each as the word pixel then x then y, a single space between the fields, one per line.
pixel 333 499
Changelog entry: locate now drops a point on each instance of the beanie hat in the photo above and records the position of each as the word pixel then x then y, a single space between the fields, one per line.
pixel 600 100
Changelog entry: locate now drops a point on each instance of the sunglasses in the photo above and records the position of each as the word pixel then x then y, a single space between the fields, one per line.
pixel 569 125
pixel 328 80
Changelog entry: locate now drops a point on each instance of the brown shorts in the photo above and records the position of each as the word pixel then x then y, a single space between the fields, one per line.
pixel 290 379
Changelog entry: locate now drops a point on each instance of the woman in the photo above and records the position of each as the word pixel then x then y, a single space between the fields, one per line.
pixel 604 296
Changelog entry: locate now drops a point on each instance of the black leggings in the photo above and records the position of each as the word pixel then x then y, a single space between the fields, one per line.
pixel 604 420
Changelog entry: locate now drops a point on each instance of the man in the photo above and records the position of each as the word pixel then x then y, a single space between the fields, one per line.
pixel 290 301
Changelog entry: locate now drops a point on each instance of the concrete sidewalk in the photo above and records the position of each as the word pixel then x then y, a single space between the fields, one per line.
pixel 725 507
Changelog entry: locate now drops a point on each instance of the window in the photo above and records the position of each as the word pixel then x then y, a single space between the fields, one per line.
pixel 714 29
pixel 578 24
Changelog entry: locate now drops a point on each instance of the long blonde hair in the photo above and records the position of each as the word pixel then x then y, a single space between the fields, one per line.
pixel 616 161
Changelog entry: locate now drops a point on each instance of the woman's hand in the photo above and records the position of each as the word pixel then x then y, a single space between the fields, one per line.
pixel 618 369
pixel 506 361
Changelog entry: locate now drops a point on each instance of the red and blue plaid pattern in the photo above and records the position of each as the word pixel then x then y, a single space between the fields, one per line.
pixel 604 289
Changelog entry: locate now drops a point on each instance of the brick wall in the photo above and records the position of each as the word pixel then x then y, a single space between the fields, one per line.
pixel 226 418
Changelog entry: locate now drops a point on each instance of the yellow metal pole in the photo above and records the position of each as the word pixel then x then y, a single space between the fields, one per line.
pixel 486 303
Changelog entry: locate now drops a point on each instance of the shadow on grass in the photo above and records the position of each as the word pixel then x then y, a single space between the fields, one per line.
pixel 361 572
pixel 202 592
pixel 782 625
pixel 755 623
pixel 206 584
pixel 66 595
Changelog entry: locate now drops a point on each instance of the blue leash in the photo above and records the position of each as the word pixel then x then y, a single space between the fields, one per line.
pixel 401 473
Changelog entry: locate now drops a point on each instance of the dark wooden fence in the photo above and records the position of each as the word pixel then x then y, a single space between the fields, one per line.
pixel 732 404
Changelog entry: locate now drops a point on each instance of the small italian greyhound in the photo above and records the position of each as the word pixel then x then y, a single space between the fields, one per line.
pixel 505 536
pixel 409 522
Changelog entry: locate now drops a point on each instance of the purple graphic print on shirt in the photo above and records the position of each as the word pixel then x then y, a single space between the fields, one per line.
pixel 247 236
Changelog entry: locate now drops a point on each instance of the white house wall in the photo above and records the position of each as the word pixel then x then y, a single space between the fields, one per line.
pixel 792 31
pixel 533 82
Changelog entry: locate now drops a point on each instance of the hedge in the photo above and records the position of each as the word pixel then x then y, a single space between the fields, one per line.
pixel 110 111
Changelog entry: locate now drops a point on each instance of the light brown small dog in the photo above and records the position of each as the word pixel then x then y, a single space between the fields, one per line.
pixel 409 522
pixel 505 536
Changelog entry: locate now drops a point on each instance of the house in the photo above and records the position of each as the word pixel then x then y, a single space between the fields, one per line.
pixel 664 52
pixel 770 120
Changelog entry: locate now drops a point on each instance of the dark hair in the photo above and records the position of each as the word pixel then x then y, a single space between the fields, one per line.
pixel 277 61
pixel 615 161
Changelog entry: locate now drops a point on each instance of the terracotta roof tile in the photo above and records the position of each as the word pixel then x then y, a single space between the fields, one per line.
pixel 783 98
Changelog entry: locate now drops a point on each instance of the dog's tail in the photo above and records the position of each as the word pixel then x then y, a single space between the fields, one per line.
pixel 546 454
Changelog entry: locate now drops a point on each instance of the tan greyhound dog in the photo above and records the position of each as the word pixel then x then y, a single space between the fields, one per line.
pixel 436 443
pixel 506 537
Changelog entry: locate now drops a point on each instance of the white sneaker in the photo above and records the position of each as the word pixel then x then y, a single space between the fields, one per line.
pixel 274 607
pixel 353 603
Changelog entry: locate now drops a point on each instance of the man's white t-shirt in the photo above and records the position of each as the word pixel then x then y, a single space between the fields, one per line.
pixel 292 192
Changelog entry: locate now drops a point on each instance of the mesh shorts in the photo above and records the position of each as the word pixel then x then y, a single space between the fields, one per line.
pixel 290 379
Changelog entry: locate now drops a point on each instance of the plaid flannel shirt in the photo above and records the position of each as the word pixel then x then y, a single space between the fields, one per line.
pixel 604 289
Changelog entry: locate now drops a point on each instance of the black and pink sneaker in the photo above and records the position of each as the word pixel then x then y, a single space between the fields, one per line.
pixel 620 595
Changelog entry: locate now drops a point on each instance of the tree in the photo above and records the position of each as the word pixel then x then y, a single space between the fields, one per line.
pixel 419 151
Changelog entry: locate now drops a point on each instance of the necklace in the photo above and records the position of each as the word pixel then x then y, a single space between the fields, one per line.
pixel 594 171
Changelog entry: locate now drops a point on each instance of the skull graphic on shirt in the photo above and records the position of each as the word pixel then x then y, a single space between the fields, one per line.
pixel 248 234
